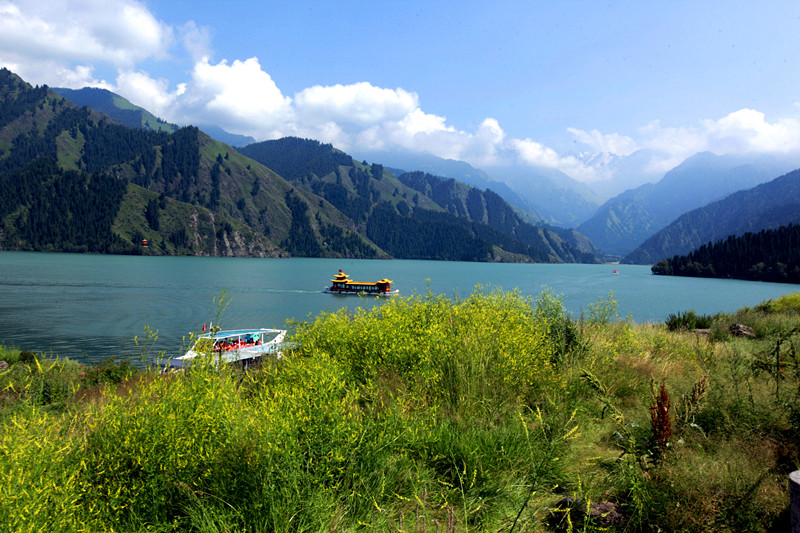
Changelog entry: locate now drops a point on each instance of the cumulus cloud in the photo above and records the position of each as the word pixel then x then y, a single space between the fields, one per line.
pixel 745 131
pixel 238 96
pixel 118 32
pixel 378 118
pixel 359 103
pixel 56 74
pixel 487 144
pixel 535 154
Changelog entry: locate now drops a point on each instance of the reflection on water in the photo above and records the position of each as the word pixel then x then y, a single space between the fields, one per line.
pixel 90 307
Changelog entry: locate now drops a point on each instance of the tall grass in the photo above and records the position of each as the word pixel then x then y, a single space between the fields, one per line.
pixel 422 414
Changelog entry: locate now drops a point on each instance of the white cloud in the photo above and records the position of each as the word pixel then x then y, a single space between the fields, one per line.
pixel 239 97
pixel 78 77
pixel 196 40
pixel 359 103
pixel 747 130
pixel 57 74
pixel 678 142
pixel 121 32
pixel 486 145
pixel 532 153
pixel 425 132
pixel 377 118
pixel 418 122
pixel 612 143
pixel 146 92
pixel 742 132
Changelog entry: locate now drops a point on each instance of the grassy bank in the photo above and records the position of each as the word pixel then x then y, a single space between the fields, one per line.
pixel 490 413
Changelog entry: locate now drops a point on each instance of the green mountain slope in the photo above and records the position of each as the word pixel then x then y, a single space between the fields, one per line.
pixel 401 161
pixel 769 255
pixel 416 215
pixel 540 195
pixel 116 107
pixel 185 192
pixel 766 206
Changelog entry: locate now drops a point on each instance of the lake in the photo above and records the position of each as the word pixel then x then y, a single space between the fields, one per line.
pixel 89 307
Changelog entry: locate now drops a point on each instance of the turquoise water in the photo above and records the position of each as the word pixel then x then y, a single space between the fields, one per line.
pixel 89 307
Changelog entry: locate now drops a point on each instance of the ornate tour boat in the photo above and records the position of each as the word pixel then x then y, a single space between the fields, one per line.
pixel 342 284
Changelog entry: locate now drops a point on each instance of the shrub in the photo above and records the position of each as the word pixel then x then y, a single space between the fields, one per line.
pixel 789 303
pixel 688 320
pixel 491 347
pixel 109 371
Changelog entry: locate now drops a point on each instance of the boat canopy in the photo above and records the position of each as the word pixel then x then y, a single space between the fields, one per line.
pixel 341 277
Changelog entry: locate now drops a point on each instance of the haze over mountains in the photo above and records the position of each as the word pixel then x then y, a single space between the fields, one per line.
pixel 537 201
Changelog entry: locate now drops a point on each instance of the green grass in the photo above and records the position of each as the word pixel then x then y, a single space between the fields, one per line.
pixel 422 414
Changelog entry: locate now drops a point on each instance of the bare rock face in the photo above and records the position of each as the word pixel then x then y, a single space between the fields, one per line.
pixel 740 330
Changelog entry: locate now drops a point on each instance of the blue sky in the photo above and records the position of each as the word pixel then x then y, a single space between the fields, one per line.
pixel 492 83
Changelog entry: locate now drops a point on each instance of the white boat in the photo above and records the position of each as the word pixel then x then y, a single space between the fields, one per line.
pixel 232 346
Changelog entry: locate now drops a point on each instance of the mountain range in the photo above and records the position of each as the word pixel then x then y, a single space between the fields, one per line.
pixel 769 205
pixel 505 213
pixel 627 220
pixel 403 201
pixel 77 179
pixel 540 194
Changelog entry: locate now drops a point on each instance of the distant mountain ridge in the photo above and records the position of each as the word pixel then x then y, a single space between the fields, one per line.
pixel 626 221
pixel 559 199
pixel 403 161
pixel 404 201
pixel 133 116
pixel 116 107
pixel 766 206
pixel 628 172
pixel 545 195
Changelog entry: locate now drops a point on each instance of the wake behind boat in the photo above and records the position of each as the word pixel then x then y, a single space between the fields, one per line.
pixel 232 346
pixel 342 284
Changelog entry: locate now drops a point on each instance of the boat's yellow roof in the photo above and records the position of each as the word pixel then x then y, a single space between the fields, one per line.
pixel 351 282
pixel 341 276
